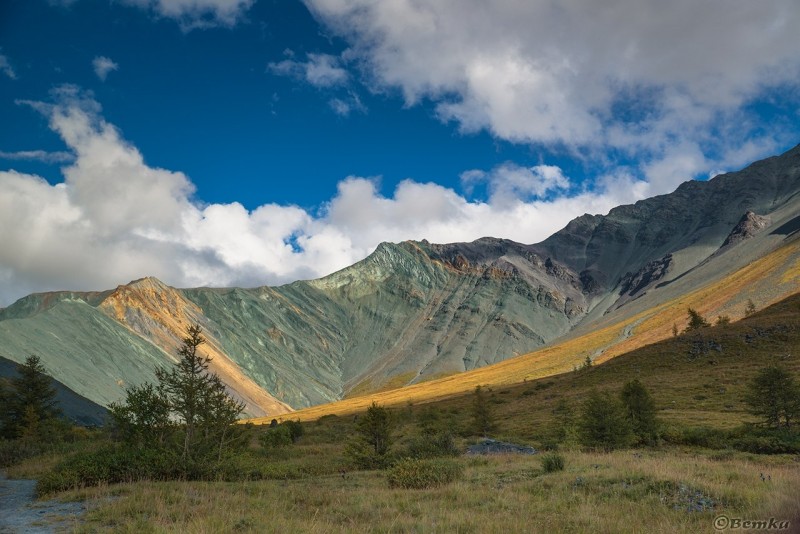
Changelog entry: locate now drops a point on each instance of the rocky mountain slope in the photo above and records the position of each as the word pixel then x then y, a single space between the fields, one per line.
pixel 415 311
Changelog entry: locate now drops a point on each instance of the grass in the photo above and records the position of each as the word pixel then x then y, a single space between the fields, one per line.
pixel 624 491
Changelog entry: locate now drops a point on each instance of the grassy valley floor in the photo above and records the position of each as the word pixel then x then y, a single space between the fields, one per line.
pixel 672 490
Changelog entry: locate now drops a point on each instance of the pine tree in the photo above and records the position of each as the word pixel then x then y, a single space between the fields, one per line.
pixel 603 423
pixel 370 446
pixel 31 402
pixel 696 321
pixel 189 413
pixel 481 413
pixel 199 400
pixel 774 396
pixel 640 409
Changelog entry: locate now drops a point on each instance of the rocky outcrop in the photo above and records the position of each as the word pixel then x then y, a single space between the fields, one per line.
pixel 748 226
pixel 634 283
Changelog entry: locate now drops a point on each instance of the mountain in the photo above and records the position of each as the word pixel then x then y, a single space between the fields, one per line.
pixel 416 311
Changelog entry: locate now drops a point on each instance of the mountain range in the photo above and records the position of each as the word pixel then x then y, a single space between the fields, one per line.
pixel 415 312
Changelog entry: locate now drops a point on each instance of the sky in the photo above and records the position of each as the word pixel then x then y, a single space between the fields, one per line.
pixel 253 142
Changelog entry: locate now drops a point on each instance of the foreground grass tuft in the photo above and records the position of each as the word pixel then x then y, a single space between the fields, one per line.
pixel 411 473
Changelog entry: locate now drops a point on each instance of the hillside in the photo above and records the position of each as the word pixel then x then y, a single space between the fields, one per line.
pixel 416 312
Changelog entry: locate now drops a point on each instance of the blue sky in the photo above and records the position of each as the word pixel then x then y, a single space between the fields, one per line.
pixel 249 142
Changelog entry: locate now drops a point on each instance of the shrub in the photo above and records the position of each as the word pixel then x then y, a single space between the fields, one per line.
pixel 432 445
pixel 276 437
pixel 552 462
pixel 109 465
pixel 295 430
pixel 412 473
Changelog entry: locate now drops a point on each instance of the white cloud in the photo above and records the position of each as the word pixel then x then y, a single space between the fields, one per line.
pixel 635 76
pixel 6 68
pixel 115 218
pixel 347 105
pixel 102 66
pixel 194 14
pixel 320 70
pixel 510 183
pixel 38 155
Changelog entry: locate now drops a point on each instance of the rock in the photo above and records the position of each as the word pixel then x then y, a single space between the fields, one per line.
pixel 491 447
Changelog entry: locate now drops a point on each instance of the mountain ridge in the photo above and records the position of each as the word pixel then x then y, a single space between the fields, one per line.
pixel 415 311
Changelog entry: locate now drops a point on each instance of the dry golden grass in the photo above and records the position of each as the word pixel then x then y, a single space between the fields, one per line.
pixel 765 281
pixel 657 491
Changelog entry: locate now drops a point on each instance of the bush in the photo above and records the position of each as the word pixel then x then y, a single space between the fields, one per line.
pixel 765 441
pixel 109 465
pixel 411 473
pixel 552 462
pixel 295 430
pixel 700 436
pixel 432 445
pixel 276 437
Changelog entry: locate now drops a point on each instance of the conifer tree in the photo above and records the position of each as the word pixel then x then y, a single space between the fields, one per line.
pixel 640 409
pixel 481 413
pixel 774 396
pixel 31 401
pixel 696 321
pixel 603 423
pixel 370 446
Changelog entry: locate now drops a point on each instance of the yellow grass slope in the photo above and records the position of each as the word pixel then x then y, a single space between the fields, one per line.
pixel 765 281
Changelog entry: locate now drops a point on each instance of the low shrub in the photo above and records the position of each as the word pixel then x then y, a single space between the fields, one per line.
pixel 276 437
pixel 107 465
pixel 435 445
pixel 765 441
pixel 700 436
pixel 412 473
pixel 552 462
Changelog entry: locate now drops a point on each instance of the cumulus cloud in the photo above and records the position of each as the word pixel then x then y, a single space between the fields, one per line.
pixel 102 66
pixel 633 76
pixel 115 218
pixel 194 14
pixel 510 183
pixel 319 70
pixel 6 68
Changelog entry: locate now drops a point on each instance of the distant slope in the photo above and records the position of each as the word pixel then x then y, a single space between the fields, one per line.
pixel 416 311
